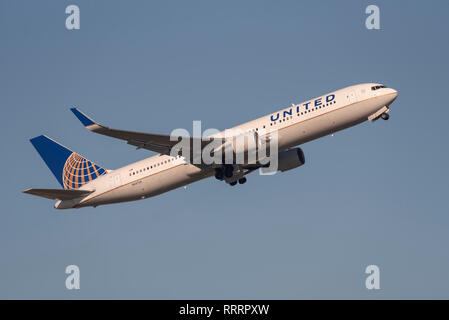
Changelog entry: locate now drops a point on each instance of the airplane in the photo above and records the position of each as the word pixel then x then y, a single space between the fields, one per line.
pixel 87 184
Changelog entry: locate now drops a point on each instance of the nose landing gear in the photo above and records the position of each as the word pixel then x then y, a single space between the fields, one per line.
pixel 381 113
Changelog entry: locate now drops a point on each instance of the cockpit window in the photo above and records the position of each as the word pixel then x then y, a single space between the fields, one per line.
pixel 377 87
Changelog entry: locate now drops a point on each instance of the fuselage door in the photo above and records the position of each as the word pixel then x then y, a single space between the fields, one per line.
pixel 352 96
pixel 114 180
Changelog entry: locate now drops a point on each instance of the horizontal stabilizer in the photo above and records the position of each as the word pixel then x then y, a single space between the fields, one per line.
pixel 58 194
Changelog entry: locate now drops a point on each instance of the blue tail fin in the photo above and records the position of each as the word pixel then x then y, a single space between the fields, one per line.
pixel 70 169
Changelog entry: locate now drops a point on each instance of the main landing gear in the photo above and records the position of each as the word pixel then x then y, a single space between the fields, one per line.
pixel 226 172
pixel 385 116
pixel 219 175
pixel 241 181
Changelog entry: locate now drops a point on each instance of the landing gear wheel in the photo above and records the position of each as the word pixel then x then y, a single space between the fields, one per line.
pixel 385 116
pixel 242 180
pixel 219 174
pixel 233 183
pixel 228 171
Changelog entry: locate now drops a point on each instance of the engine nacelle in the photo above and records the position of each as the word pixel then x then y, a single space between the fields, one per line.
pixel 290 159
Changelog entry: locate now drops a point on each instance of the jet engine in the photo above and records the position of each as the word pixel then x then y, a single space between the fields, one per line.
pixel 290 159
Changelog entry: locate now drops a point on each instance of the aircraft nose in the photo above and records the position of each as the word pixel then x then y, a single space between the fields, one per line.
pixel 394 94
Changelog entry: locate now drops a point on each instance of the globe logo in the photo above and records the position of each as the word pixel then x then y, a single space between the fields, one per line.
pixel 79 171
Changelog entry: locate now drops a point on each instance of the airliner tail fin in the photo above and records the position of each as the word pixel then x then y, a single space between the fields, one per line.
pixel 70 169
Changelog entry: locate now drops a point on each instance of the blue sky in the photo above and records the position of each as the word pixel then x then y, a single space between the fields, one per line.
pixel 373 194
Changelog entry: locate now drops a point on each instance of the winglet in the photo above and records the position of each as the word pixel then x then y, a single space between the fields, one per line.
pixel 85 120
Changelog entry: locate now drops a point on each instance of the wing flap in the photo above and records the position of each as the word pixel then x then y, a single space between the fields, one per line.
pixel 58 194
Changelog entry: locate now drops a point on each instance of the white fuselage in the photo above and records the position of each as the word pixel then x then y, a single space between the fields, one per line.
pixel 295 125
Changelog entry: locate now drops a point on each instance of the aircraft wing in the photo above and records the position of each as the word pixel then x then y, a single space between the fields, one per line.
pixel 58 194
pixel 160 143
